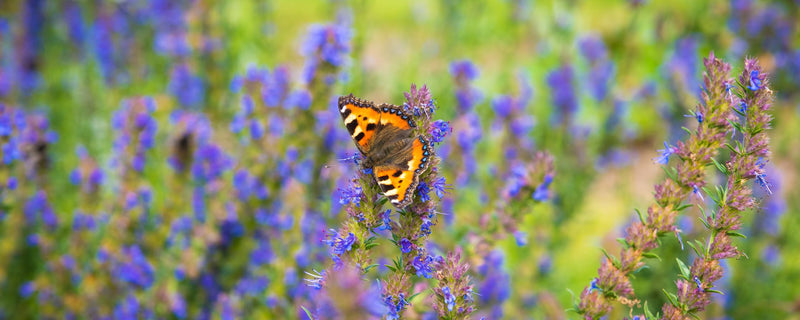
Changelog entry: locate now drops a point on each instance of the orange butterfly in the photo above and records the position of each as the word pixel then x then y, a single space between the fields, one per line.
pixel 384 136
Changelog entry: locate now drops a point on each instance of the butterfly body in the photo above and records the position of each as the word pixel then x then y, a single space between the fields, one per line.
pixel 384 135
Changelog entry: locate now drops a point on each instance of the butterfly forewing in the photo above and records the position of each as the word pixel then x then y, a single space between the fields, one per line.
pixel 361 119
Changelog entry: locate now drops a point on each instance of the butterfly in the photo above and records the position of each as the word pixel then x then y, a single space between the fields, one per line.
pixel 385 138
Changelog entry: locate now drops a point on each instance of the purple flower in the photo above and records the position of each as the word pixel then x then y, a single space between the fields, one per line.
pixel 351 195
pixel 276 89
pixel 423 263
pixel 683 66
pixel 178 306
pixel 419 100
pixel 521 238
pixel 665 153
pixel 262 254
pixel 210 163
pixel 27 289
pixel 755 81
pixel 464 70
pixel 494 283
pixel 423 191
pixel 562 87
pixel 440 186
pixel 449 299
pixel 340 244
pixel 394 308
pixel 541 193
pixel 405 245
pixel 503 105
pixel 593 49
pixel 75 24
pixel 316 280
pixel 188 88
pixel 439 129
pixel 600 67
pixel 39 206
pixel 325 44
pixel 135 269
pixel 299 99
pixel 387 220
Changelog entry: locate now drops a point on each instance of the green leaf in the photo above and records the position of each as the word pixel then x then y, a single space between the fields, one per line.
pixel 731 148
pixel 398 264
pixel 720 166
pixel 648 314
pixel 671 173
pixel 641 217
pixel 381 202
pixel 308 313
pixel 370 267
pixel 414 295
pixel 370 243
pixel 703 220
pixel 715 291
pixel 673 299
pixel 683 207
pixel 390 267
pixel 736 234
pixel 651 255
pixel 574 301
pixel 684 269
pixel 623 242
pixel 694 247
pixel 611 258
pixel 687 130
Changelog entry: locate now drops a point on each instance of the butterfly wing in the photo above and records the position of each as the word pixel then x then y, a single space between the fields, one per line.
pixel 395 116
pixel 361 118
pixel 398 180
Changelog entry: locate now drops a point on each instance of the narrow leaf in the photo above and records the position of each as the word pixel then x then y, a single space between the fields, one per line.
pixel 684 270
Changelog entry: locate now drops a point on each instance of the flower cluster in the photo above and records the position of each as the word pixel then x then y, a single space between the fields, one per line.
pixel 136 133
pixel 467 125
pixel 453 291
pixel 643 236
pixel 748 157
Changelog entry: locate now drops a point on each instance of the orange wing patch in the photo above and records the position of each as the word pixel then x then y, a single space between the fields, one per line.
pixel 399 185
pixel 396 184
pixel 420 155
pixel 391 114
pixel 361 119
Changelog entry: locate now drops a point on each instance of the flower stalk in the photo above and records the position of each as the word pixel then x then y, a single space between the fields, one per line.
pixel 749 154
pixel 685 179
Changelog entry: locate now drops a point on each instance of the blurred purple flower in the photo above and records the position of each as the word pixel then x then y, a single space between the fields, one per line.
pixel 134 268
pixel 561 83
pixel 325 45
pixel 187 87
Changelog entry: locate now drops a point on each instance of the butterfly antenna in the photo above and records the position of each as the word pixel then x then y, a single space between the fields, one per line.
pixel 353 158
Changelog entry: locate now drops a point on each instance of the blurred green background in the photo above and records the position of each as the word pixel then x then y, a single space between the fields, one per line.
pixel 602 171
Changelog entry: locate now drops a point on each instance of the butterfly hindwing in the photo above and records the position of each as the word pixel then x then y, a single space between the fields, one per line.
pixel 361 118
pixel 398 181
